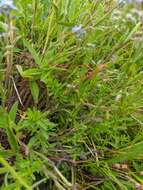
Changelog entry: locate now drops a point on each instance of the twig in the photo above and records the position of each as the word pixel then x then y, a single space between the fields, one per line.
pixel 39 182
pixel 16 90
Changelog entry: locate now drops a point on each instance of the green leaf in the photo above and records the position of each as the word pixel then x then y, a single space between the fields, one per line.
pixel 135 29
pixel 129 153
pixel 31 73
pixel 34 90
pixel 3 170
pixel 3 118
pixel 55 6
pixel 11 137
pixel 70 24
pixel 6 153
pixel 7 123
pixel 13 111
pixel 33 52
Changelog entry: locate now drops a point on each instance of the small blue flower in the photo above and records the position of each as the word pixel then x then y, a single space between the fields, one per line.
pixel 129 1
pixel 78 31
pixel 121 1
pixel 76 28
pixel 7 5
pixel 139 1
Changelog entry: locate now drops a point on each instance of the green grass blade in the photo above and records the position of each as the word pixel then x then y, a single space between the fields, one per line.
pixel 14 173
pixel 129 153
pixel 13 111
pixel 12 139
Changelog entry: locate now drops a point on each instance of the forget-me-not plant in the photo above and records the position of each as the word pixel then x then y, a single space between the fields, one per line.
pixel 6 6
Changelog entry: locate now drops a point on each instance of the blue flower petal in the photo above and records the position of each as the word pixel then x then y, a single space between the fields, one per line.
pixel 7 5
pixel 76 28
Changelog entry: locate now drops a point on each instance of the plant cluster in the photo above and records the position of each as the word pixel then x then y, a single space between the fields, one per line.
pixel 71 95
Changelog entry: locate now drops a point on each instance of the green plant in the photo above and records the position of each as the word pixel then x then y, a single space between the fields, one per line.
pixel 71 117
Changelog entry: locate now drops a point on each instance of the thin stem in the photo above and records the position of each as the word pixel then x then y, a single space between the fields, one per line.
pixel 9 53
pixel 50 27
pixel 39 182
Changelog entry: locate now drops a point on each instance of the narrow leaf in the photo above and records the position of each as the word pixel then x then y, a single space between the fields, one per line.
pixel 33 52
pixel 6 153
pixel 34 90
pixel 13 111
pixel 129 153
pixel 11 136
pixel 31 73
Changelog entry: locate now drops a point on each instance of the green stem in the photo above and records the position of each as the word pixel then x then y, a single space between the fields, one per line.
pixel 50 29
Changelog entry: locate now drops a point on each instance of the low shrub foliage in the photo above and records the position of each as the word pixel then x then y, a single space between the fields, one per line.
pixel 71 95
